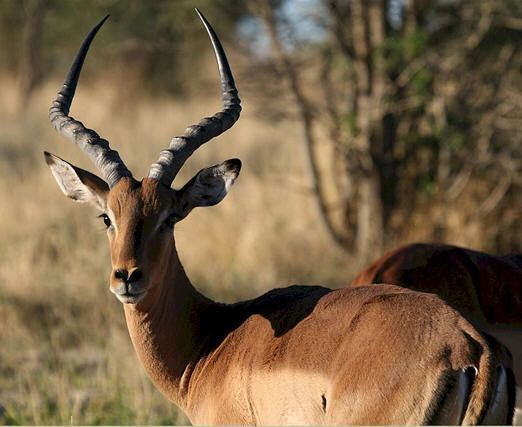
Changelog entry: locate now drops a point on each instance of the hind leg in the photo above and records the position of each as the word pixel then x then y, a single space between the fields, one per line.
pixel 453 405
pixel 499 411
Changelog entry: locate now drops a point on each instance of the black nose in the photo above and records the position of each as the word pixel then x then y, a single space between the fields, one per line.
pixel 121 274
pixel 134 276
pixel 124 276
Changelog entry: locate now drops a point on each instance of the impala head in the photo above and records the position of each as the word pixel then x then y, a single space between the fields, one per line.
pixel 140 215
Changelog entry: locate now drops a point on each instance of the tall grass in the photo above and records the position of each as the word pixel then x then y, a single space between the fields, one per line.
pixel 65 356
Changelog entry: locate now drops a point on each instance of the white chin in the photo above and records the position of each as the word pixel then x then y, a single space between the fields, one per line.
pixel 131 299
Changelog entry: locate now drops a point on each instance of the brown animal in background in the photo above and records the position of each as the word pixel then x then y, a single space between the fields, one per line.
pixel 485 289
pixel 298 355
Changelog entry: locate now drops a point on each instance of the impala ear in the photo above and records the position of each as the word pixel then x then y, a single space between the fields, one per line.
pixel 208 187
pixel 78 184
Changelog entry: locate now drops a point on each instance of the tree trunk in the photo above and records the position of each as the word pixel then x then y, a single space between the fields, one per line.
pixel 30 65
pixel 368 35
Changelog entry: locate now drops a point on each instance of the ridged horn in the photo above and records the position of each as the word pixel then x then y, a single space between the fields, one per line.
pixel 181 147
pixel 106 160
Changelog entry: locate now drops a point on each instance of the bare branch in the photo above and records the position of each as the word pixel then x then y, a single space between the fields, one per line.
pixel 494 197
pixel 305 112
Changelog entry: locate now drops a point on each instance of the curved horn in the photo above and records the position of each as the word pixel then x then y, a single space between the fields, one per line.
pixel 181 147
pixel 108 161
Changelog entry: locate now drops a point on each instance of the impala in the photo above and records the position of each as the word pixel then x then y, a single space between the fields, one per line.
pixel 297 355
pixel 485 289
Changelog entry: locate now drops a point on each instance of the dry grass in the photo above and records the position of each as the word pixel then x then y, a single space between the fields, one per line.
pixel 65 356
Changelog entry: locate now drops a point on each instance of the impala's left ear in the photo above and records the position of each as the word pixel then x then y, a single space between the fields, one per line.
pixel 208 187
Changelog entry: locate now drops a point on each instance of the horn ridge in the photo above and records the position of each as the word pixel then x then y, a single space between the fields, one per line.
pixel 181 147
pixel 108 161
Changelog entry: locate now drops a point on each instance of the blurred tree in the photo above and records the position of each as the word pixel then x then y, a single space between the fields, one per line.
pixel 30 59
pixel 419 98
pixel 152 42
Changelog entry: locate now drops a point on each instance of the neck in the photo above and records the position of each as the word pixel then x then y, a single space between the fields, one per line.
pixel 170 329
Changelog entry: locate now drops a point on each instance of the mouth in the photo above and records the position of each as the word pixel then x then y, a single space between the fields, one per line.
pixel 131 298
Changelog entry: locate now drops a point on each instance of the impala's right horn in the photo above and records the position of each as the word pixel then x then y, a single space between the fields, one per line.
pixel 181 147
pixel 108 161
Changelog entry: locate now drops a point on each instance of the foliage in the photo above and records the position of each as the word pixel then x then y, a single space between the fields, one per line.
pixel 418 99
pixel 158 38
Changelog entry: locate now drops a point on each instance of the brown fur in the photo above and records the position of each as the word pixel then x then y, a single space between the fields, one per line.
pixel 136 207
pixel 485 289
pixel 270 360
pixel 300 355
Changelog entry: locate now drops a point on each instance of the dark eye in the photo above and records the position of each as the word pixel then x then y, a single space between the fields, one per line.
pixel 106 220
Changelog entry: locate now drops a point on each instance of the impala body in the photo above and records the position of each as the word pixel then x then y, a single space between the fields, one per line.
pixel 485 289
pixel 299 355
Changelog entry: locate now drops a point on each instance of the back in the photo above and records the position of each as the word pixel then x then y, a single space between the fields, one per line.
pixel 483 288
pixel 371 355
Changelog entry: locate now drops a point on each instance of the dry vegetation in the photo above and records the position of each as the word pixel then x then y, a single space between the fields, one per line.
pixel 65 356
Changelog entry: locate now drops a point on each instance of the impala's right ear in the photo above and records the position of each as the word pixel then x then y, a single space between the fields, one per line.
pixel 208 187
pixel 78 184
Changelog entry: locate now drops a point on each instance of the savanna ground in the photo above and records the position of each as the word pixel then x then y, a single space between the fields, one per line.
pixel 65 356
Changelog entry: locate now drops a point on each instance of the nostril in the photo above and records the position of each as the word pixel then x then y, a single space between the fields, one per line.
pixel 134 276
pixel 121 274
